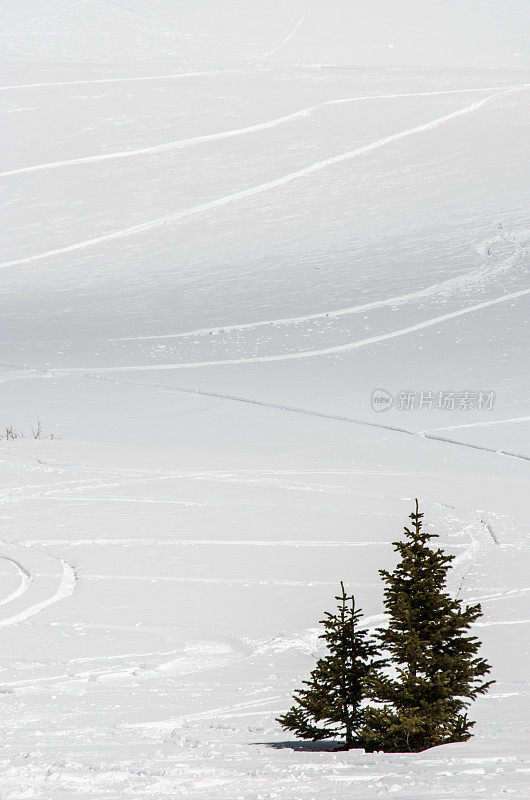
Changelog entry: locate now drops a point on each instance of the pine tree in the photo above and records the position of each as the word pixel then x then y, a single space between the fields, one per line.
pixel 331 705
pixel 437 671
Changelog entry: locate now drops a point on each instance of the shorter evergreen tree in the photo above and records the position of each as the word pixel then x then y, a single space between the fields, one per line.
pixel 436 670
pixel 331 705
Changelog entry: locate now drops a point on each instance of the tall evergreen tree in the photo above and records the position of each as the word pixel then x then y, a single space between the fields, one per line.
pixel 331 705
pixel 437 672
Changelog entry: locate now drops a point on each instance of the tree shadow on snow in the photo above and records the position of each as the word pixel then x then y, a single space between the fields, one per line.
pixel 310 747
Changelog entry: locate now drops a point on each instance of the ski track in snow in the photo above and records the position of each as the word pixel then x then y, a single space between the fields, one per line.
pixel 212 137
pixel 135 664
pixel 492 623
pixel 517 238
pixel 320 414
pixel 208 581
pixel 141 542
pixel 486 424
pixel 171 77
pixel 24 583
pixel 66 589
pixel 325 351
pixel 500 595
pixel 297 25
pixel 219 712
pixel 259 189
pixel 252 474
pixel 122 478
pixel 185 503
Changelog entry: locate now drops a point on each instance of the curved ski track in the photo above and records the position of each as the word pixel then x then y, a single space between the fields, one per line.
pixel 259 189
pixel 65 589
pixel 180 144
pixel 24 583
pixel 517 238
pixel 297 25
pixel 333 350
pixel 171 77
pixel 476 425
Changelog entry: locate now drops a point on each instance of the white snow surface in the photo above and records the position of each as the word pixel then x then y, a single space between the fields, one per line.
pixel 225 225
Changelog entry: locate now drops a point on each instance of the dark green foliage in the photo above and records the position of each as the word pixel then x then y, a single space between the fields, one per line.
pixel 331 705
pixel 437 672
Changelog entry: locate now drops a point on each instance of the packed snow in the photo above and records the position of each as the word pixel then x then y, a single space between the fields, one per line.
pixel 228 227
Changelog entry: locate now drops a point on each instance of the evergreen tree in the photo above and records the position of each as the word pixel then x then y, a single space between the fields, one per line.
pixel 437 671
pixel 331 705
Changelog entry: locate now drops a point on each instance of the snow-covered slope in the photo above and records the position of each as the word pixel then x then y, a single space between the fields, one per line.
pixel 218 242
pixel 472 33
